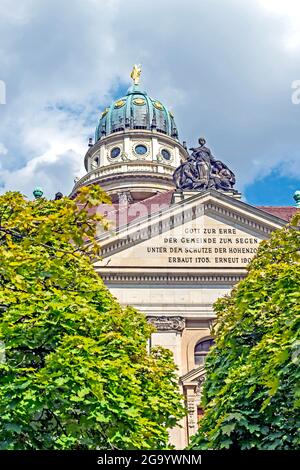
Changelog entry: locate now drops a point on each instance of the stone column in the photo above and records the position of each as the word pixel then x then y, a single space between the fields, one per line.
pixel 168 335
pixel 192 393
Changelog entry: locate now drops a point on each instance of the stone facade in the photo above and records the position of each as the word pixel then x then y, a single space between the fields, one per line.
pixel 142 175
pixel 173 264
pixel 171 254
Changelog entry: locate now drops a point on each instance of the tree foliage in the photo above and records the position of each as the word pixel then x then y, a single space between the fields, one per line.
pixel 252 394
pixel 77 373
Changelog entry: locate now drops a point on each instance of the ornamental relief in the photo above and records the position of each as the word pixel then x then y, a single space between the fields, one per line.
pixel 199 386
pixel 163 323
pixel 192 415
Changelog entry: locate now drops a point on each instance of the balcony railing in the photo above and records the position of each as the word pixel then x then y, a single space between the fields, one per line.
pixel 123 168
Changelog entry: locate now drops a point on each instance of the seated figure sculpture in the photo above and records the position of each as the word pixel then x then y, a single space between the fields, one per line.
pixel 201 171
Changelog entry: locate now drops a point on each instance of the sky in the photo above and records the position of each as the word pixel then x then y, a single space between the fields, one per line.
pixel 228 69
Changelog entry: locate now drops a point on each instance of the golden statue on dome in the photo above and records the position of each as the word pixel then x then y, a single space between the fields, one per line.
pixel 136 73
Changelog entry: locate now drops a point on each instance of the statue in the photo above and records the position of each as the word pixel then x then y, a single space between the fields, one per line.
pixel 202 151
pixel 58 196
pixel 136 73
pixel 222 177
pixel 201 171
pixel 185 175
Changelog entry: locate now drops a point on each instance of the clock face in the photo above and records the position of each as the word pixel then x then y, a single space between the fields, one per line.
pixel 115 152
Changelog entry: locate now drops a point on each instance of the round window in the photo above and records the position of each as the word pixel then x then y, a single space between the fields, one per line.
pixel 166 154
pixel 115 152
pixel 140 149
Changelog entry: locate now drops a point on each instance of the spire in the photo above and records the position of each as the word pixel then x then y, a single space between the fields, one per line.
pixel 135 74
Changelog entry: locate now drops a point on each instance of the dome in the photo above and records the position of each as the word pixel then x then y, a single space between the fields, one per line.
pixel 136 110
pixel 136 148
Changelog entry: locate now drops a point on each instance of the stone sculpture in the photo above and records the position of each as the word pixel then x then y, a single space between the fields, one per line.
pixel 202 171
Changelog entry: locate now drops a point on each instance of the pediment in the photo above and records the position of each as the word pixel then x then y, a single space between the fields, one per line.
pixel 203 232
pixel 194 377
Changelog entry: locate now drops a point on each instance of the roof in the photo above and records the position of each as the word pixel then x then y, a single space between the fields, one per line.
pixel 283 212
pixel 121 215
pixel 136 110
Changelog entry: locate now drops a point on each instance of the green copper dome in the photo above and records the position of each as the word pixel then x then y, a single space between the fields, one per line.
pixel 136 110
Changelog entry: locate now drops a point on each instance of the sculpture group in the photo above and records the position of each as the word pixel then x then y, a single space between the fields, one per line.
pixel 202 171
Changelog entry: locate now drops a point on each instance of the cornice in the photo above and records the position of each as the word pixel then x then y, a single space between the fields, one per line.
pixel 165 278
pixel 127 171
pixel 194 376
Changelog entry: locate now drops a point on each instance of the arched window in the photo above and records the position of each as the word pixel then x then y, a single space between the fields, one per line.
pixel 95 163
pixel 201 350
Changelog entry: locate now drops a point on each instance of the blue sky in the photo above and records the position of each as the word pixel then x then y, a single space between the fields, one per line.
pixel 272 190
pixel 226 69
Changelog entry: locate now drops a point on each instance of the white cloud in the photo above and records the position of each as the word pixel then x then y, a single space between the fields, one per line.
pixel 3 149
pixel 289 11
pixel 220 65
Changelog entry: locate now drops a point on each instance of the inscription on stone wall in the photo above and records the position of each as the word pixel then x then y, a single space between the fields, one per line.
pixel 202 243
pixel 217 246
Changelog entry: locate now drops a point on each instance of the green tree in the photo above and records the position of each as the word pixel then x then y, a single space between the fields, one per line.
pixel 252 394
pixel 77 374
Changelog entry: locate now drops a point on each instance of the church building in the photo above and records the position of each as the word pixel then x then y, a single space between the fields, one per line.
pixel 180 236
